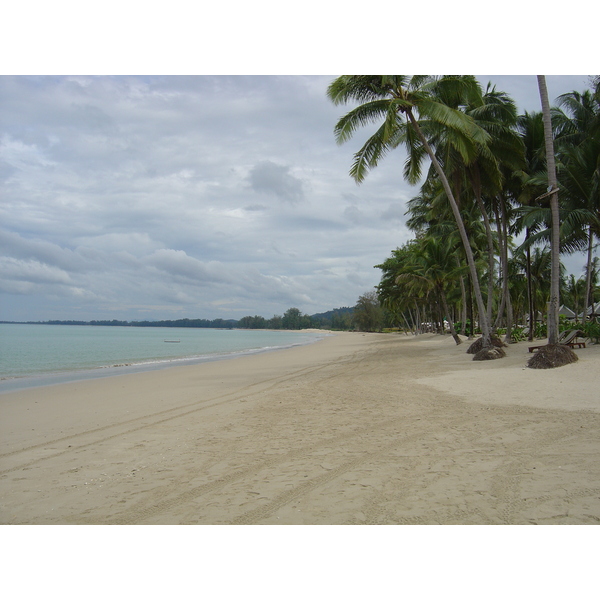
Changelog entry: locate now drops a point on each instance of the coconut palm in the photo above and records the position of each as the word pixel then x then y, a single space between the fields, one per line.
pixel 574 294
pixel 538 265
pixel 531 217
pixel 430 215
pixel 577 125
pixel 425 268
pixel 553 190
pixel 400 297
pixel 489 174
pixel 433 262
pixel 408 108
pixel 496 113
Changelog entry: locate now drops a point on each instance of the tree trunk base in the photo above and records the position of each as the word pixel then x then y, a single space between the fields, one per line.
pixel 552 356
pixel 477 345
pixel 489 354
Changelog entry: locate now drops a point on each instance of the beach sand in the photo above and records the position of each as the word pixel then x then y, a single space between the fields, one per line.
pixel 355 429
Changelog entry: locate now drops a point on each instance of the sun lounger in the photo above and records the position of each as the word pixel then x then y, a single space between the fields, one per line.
pixel 566 338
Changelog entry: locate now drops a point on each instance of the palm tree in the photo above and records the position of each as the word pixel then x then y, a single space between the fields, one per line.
pixel 575 292
pixel 531 129
pixel 552 355
pixel 430 215
pixel 424 268
pixel 539 276
pixel 578 143
pixel 496 113
pixel 488 175
pixel 406 293
pixel 553 190
pixel 433 263
pixel 396 99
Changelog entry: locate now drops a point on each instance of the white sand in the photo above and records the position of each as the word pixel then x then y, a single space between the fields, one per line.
pixel 356 429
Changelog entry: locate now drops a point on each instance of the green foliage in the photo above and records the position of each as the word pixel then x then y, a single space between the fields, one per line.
pixel 541 330
pixel 368 314
pixel 591 329
pixel 518 334
pixel 468 329
pixel 255 322
pixel 292 319
pixel 339 319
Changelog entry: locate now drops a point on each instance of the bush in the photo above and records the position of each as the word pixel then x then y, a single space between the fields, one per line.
pixel 517 334
pixel 592 330
pixel 458 327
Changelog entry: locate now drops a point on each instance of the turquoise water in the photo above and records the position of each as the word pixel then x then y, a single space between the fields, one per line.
pixel 33 355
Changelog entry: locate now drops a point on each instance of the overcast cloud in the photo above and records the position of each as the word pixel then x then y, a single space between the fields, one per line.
pixel 195 196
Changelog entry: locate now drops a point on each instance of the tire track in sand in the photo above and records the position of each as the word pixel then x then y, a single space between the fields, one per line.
pixel 172 414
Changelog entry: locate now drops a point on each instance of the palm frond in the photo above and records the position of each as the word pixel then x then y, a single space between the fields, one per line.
pixel 357 88
pixel 365 114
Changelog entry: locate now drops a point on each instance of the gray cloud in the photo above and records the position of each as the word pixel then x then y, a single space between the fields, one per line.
pixel 275 179
pixel 31 271
pixel 160 197
pixel 394 212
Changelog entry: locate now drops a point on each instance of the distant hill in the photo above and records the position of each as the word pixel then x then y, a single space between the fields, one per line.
pixel 344 310
pixel 337 318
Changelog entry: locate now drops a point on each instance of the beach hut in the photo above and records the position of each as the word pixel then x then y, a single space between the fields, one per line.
pixel 566 312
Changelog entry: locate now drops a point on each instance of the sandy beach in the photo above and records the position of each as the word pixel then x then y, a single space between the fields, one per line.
pixel 355 429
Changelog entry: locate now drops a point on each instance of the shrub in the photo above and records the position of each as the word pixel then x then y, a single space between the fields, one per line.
pixel 541 331
pixel 592 330
pixel 517 334
pixel 458 327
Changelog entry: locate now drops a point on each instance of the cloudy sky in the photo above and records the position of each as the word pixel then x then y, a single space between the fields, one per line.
pixel 147 197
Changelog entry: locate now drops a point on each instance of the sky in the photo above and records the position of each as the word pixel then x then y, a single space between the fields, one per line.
pixel 182 163
pixel 163 197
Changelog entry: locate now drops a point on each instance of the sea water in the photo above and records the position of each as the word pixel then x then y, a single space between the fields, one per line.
pixel 35 354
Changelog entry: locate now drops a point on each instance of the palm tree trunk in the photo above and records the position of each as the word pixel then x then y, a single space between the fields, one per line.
pixel 553 305
pixel 483 322
pixel 501 308
pixel 471 316
pixel 505 286
pixel 450 321
pixel 588 274
pixel 463 308
pixel 408 327
pixel 490 241
pixel 419 329
pixel 529 291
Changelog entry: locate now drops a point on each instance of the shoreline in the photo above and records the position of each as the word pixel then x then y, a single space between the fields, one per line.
pixel 21 382
pixel 358 429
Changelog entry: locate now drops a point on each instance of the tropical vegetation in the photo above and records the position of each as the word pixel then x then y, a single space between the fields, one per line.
pixel 501 197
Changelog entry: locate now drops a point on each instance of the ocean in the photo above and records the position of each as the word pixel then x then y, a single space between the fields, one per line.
pixel 33 355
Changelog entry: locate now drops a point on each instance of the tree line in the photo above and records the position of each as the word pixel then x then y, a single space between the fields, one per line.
pixel 488 176
pixel 292 319
pixel 336 319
